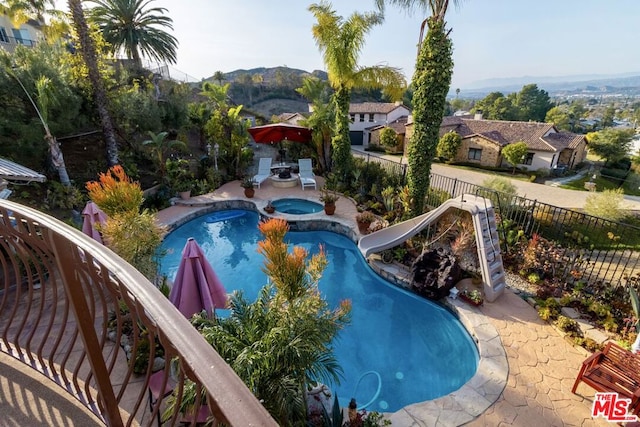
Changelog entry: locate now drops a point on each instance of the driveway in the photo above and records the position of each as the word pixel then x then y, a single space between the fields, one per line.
pixel 561 197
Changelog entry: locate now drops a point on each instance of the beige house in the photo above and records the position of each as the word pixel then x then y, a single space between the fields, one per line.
pixel 483 141
pixel 28 34
pixel 399 126
pixel 367 116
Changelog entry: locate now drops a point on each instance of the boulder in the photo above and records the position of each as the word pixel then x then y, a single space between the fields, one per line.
pixel 435 272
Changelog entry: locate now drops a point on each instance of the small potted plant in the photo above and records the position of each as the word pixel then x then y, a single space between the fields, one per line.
pixel 247 184
pixel 364 220
pixel 473 296
pixel 329 198
pixel 180 177
pixel 269 208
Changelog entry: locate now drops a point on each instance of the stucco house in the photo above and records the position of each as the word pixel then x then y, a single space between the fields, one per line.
pixel 367 117
pixel 28 34
pixel 399 126
pixel 483 141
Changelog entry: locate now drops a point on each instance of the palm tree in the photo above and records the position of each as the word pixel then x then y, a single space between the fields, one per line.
pixel 340 42
pixel 128 25
pixel 431 81
pixel 45 98
pixel 88 51
pixel 160 147
pixel 316 91
pixel 219 77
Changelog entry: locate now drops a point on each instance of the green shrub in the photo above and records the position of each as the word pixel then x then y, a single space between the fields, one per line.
pixel 499 190
pixel 567 325
pixel 607 205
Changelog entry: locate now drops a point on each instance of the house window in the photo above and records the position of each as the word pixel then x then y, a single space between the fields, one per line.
pixel 352 117
pixel 370 117
pixel 361 117
pixel 528 159
pixel 3 35
pixel 475 154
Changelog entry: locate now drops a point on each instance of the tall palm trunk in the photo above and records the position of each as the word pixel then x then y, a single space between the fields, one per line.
pixel 431 80
pixel 88 50
pixel 57 158
pixel 341 143
pixel 54 147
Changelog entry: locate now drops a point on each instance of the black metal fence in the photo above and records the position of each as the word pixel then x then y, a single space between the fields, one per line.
pixel 593 248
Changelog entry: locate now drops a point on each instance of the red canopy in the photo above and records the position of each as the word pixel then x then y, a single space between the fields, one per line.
pixel 278 132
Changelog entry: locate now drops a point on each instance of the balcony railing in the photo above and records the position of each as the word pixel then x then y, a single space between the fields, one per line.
pixel 69 308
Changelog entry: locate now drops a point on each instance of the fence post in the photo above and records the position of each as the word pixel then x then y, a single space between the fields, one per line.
pixel 455 185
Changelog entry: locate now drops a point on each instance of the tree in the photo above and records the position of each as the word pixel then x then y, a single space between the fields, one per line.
pixel 607 116
pixel 160 147
pixel 610 144
pixel 431 82
pixel 341 42
pixel 317 92
pixel 219 77
pixel 514 153
pixel 448 145
pixel 129 26
pixel 88 51
pixel 388 138
pixel 533 103
pixel 559 116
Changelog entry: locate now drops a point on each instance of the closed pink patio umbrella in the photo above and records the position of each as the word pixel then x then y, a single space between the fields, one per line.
pixel 93 215
pixel 196 286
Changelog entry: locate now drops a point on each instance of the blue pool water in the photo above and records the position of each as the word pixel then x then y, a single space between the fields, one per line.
pixel 417 349
pixel 297 206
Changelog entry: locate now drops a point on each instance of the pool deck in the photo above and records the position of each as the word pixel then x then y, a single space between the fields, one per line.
pixel 524 378
pixel 527 367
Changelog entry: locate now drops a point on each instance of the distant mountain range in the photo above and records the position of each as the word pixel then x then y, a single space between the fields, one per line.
pixel 627 84
pixel 585 85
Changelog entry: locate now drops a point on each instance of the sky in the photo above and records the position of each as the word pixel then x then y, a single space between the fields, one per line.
pixel 491 38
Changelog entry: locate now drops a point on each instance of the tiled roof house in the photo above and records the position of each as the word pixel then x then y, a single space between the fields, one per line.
pixel 367 117
pixel 291 118
pixel 483 140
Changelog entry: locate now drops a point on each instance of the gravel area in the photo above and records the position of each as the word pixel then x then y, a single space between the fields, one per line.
pixel 520 285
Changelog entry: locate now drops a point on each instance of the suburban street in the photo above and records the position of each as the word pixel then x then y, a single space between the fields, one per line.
pixel 571 199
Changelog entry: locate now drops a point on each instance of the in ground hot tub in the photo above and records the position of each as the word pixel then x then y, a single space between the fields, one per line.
pixel 297 206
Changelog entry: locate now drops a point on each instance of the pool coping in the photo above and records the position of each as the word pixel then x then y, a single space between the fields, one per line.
pixel 457 408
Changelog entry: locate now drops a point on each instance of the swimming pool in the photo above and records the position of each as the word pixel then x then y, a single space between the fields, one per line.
pixel 417 348
pixel 297 206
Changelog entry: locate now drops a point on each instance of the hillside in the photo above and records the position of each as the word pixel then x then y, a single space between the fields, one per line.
pixel 272 91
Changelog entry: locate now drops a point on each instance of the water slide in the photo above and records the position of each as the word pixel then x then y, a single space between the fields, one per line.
pixel 396 234
pixel 487 240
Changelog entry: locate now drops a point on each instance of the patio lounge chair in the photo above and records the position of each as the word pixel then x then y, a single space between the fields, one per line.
pixel 613 369
pixel 264 171
pixel 307 178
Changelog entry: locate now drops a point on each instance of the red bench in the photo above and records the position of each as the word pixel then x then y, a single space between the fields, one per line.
pixel 613 369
